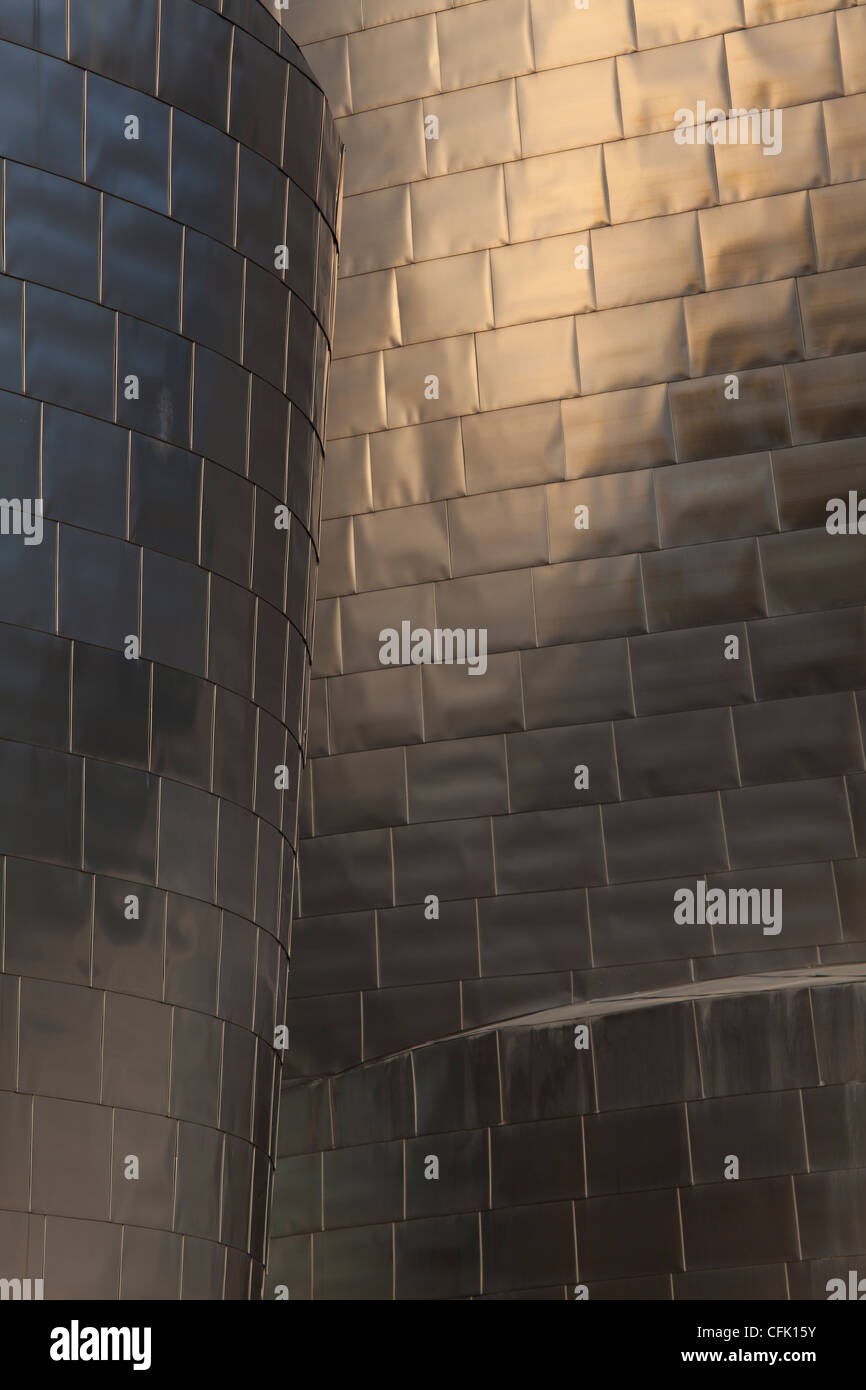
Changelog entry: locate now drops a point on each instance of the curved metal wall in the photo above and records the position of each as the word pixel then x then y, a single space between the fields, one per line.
pixel 597 375
pixel 163 368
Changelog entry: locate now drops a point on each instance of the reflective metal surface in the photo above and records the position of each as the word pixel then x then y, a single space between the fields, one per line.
pixel 170 182
pixel 599 370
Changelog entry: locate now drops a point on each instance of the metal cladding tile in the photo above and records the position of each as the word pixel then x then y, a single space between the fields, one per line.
pixel 540 280
pixel 674 753
pixel 525 932
pixel 359 791
pixel 639 261
pixel 324 1035
pixel 452 859
pixel 809 653
pixel 462 777
pixel 526 1246
pixel 636 1150
pixel 438 1258
pixel 82 1186
pixel 34 687
pixel 457 1084
pixel 364 616
pixel 837 1013
pixel 763 1132
pixel 716 499
pixel 338 1255
pixel 832 306
pixel 756 1042
pixel 837 217
pixel 827 397
pixel 797 909
pixel 443 297
pixel 500 602
pixel 548 849
pixel 835 1119
pixel 563 37
pixel 815 736
pixel 580 683
pixel 410 954
pixel 581 759
pixel 741 329
pixel 526 363
pixel 347 872
pixel 478 127
pixel 617 432
pixel 462 1183
pixel 662 836
pixel 82 1258
pixel 763 239
pixel 332 954
pixel 497 531
pixel 713 669
pixel 455 706
pixel 36 135
pixel 652 176
pixel 786 823
pixel 732 414
pixel 368 1103
pixel 843 121
pixel 375 709
pixel 703 584
pixel 39 205
pixel 810 569
pixel 422 463
pixel 676 21
pixel 587 599
pixel 634 922
pixel 650 83
pixel 483 43
pixel 631 1233
pixel 646 1056
pixel 549 101
pixel 786 65
pixel 361 1184
pixel 41 804
pixel 601 516
pixel 553 193
pixel 348 487
pixel 809 477
pixel 739 1223
pixel 635 346
pixel 799 160
pixel 830 1212
pixel 377 231
pixel 541 1161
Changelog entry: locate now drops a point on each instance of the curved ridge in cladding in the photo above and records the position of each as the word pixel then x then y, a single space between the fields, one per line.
pixel 166 310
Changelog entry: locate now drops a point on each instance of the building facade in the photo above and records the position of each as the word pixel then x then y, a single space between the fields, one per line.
pixel 582 886
pixel 170 180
